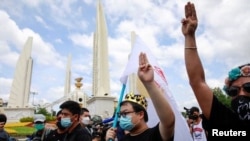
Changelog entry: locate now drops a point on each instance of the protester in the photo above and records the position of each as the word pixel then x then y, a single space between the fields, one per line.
pixel 39 123
pixel 133 114
pixel 219 120
pixel 59 133
pixel 85 120
pixel 4 136
pixel 195 124
pixel 85 113
pixel 70 116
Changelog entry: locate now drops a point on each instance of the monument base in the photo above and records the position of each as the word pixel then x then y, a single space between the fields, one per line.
pixel 1 110
pixel 103 106
pixel 15 114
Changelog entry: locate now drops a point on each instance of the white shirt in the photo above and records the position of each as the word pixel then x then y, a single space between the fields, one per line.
pixel 198 132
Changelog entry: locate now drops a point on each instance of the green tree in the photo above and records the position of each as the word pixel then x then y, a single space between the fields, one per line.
pixel 222 97
pixel 43 111
pixel 184 114
pixel 49 116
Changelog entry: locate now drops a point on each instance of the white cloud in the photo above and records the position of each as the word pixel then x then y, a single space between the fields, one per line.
pixel 40 20
pixel 82 40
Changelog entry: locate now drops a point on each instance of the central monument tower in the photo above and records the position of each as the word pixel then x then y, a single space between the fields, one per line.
pixel 101 82
pixel 101 102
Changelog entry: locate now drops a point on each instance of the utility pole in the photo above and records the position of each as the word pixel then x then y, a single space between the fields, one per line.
pixel 33 93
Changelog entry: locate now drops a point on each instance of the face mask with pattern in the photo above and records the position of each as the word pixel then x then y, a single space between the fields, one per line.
pixel 241 105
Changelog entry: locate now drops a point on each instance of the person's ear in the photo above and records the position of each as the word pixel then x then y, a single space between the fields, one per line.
pixel 76 117
pixel 141 114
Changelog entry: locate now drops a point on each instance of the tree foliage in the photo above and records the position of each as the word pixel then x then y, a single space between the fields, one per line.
pixel 43 111
pixel 223 98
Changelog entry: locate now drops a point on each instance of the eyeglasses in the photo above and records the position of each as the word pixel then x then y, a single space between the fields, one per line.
pixel 124 114
pixel 234 90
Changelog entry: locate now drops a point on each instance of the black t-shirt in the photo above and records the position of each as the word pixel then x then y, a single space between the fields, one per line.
pixel 4 136
pixel 78 134
pixel 225 124
pixel 37 135
pixel 151 134
pixel 55 136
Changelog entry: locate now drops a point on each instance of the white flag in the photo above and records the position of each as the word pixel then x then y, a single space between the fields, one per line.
pixel 182 132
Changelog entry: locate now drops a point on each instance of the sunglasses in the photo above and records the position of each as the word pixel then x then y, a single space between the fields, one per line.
pixel 234 90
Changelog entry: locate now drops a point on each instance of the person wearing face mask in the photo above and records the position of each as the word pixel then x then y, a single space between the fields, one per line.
pixel 133 111
pixel 195 124
pixel 39 124
pixel 85 121
pixel 220 122
pixel 59 133
pixel 70 116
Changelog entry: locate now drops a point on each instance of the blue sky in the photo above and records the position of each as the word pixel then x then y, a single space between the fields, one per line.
pixel 60 28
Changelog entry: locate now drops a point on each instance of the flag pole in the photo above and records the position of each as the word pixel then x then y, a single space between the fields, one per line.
pixel 118 107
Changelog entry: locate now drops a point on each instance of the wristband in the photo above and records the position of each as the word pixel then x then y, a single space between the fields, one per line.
pixel 190 48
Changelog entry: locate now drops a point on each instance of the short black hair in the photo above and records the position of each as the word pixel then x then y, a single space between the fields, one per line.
pixel 84 110
pixel 137 108
pixel 72 106
pixel 58 113
pixel 3 118
pixel 194 109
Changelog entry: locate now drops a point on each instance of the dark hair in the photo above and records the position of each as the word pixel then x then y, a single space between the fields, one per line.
pixel 72 106
pixel 137 108
pixel 3 118
pixel 58 113
pixel 241 66
pixel 84 110
pixel 194 109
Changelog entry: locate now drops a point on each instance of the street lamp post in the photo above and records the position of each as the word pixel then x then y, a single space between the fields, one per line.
pixel 33 93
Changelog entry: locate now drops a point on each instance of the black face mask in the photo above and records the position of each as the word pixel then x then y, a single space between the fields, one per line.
pixel 241 105
pixel 59 125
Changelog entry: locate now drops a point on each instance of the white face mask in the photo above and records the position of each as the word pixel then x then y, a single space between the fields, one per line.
pixel 85 120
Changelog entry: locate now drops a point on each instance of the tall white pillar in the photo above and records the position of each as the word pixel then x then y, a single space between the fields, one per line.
pixel 68 77
pixel 101 102
pixel 20 88
pixel 101 80
pixel 18 103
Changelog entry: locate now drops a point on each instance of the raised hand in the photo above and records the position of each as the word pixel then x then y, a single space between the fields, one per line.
pixel 189 24
pixel 145 70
